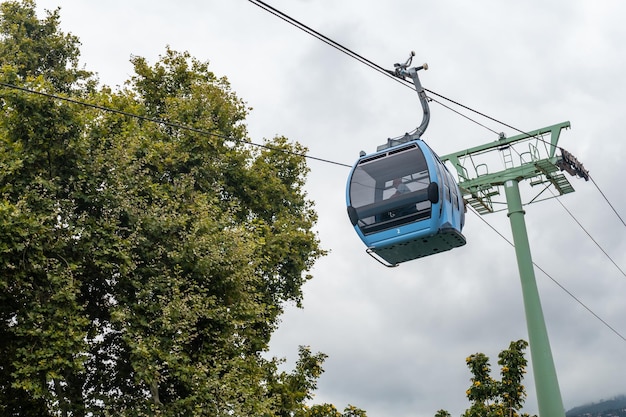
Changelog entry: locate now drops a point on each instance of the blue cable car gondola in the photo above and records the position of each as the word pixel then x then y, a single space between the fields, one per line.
pixel 402 201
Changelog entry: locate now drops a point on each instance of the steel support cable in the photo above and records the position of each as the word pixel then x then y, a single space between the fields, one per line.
pixel 207 133
pixel 382 70
pixel 296 23
pixel 462 115
pixel 361 59
pixel 328 41
pixel 166 123
pixel 336 45
pixel 607 201
pixel 478 113
pixel 580 224
pixel 554 280
pixel 590 237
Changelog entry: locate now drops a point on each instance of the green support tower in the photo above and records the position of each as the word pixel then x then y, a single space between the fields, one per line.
pixel 525 157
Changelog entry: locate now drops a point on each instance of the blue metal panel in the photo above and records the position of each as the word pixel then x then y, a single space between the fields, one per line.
pixel 404 204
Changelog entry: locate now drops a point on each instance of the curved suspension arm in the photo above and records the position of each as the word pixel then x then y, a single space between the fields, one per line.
pixel 402 71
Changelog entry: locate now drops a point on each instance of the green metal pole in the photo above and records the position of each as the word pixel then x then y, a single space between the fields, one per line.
pixel 546 382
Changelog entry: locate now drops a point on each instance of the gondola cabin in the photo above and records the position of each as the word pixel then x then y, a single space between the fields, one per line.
pixel 404 204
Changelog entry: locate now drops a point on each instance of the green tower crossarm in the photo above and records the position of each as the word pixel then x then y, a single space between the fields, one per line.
pixel 481 187
pixel 554 130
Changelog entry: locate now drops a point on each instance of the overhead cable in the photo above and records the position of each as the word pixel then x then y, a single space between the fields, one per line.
pixel 352 54
pixel 382 70
pixel 166 123
pixel 607 201
pixel 334 44
pixel 554 280
pixel 591 237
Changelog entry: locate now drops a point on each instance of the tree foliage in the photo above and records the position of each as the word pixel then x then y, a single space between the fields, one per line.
pixel 496 398
pixel 144 265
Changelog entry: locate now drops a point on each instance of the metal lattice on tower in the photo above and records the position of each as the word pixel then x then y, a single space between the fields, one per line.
pixel 529 156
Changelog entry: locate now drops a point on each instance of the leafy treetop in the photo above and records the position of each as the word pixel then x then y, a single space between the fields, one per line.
pixel 144 267
pixel 496 398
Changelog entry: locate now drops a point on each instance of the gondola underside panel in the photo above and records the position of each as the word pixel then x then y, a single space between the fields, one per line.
pixel 442 241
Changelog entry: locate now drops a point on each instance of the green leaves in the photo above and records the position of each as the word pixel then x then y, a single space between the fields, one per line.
pixel 513 367
pixel 143 266
pixel 490 397
pixel 36 47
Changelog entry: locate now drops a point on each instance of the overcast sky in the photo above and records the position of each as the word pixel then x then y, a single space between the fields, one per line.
pixel 397 338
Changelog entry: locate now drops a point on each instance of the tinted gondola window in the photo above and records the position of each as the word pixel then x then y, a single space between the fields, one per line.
pixel 389 189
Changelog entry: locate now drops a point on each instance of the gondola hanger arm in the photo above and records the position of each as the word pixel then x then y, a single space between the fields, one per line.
pixel 404 71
